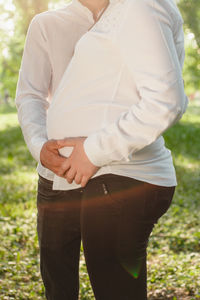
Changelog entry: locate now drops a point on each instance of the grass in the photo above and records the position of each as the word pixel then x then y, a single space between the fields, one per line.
pixel 174 245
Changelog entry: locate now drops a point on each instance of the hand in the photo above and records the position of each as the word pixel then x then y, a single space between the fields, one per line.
pixel 51 158
pixel 78 166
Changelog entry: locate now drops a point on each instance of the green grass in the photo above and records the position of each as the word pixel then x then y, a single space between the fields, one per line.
pixel 174 246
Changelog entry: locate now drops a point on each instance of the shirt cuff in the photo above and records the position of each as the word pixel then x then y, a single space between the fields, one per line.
pixel 36 148
pixel 95 151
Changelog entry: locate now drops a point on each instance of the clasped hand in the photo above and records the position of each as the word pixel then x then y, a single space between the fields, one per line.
pixel 77 167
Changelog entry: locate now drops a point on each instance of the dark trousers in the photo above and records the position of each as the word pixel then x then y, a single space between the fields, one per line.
pixel 113 216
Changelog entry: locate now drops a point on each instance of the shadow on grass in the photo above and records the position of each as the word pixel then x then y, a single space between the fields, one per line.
pixel 188 187
pixel 176 243
pixel 7 109
pixel 14 152
pixel 171 297
pixel 183 138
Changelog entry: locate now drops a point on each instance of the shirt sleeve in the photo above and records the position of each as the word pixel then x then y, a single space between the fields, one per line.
pixel 33 88
pixel 147 46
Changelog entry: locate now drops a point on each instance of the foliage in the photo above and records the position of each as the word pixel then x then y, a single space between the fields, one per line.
pixel 190 10
pixel 20 15
pixel 9 65
pixel 191 70
pixel 27 10
pixel 174 248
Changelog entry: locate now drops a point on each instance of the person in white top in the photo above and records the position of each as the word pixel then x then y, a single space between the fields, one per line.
pixel 100 82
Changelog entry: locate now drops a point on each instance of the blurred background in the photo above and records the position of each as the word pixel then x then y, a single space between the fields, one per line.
pixel 174 246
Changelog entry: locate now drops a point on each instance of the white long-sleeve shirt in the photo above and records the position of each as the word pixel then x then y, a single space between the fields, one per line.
pixel 118 83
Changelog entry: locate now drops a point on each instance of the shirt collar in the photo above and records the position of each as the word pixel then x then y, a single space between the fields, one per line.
pixel 85 11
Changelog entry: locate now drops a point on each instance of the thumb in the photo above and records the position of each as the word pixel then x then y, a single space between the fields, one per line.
pixel 67 142
pixel 57 144
pixel 53 144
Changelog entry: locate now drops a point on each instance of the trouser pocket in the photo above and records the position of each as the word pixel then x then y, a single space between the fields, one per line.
pixel 157 201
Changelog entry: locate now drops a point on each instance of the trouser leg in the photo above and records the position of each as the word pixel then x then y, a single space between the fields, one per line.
pixel 59 239
pixel 117 217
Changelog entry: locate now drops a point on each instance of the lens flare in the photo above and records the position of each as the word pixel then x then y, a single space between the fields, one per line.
pixel 134 267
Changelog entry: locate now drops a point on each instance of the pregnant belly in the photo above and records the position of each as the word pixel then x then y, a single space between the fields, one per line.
pixel 73 123
pixel 85 120
pixel 81 121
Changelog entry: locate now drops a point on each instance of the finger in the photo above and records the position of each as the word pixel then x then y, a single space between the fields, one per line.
pixel 84 181
pixel 68 142
pixel 64 167
pixel 52 144
pixel 56 144
pixel 70 175
pixel 78 178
